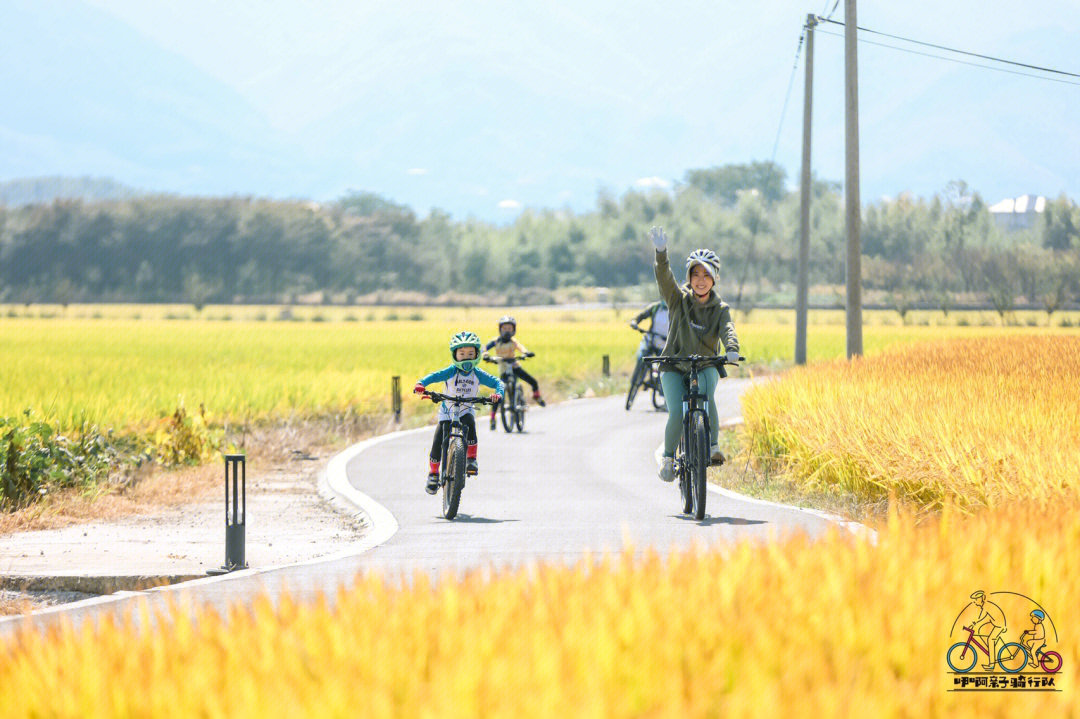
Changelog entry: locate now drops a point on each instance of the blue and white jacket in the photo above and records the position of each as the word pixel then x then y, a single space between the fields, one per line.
pixel 462 384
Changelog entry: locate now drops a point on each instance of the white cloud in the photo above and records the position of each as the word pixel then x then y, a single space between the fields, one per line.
pixel 509 205
pixel 416 171
pixel 652 182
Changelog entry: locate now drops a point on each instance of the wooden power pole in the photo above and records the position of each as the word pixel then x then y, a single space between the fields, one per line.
pixel 853 266
pixel 803 283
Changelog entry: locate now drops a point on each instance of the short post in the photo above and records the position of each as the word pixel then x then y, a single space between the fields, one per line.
pixel 235 513
pixel 395 397
pixel 607 366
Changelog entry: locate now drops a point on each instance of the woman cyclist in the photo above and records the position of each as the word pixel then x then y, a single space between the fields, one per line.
pixel 698 323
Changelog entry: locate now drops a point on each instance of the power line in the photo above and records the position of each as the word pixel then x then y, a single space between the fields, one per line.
pixel 961 62
pixel 835 3
pixel 957 51
pixel 787 96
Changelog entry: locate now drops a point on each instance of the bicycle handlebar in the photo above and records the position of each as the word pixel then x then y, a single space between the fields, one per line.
pixel 696 360
pixel 440 397
pixel 497 360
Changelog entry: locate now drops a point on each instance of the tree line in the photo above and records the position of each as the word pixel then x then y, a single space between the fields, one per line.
pixel 940 251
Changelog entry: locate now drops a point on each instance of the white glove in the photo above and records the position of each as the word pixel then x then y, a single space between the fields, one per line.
pixel 659 239
pixel 732 357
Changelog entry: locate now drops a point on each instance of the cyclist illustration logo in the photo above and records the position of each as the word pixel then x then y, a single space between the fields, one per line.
pixel 981 628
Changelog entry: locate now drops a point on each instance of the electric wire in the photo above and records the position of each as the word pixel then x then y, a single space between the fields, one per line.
pixel 956 50
pixel 787 96
pixel 957 60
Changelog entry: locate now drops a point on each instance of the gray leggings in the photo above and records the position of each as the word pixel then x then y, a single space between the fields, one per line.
pixel 674 390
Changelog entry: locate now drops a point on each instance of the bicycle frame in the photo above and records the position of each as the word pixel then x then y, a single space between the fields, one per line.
pixel 972 640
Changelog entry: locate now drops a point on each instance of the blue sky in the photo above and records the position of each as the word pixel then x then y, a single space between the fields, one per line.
pixel 484 107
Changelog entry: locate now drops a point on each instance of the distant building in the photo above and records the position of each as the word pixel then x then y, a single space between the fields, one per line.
pixel 1018 213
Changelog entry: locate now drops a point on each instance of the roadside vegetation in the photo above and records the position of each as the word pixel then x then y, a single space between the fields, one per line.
pixel 974 439
pixel 102 390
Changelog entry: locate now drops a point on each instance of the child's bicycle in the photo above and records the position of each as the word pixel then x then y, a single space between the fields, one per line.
pixel 647 376
pixel 692 455
pixel 452 465
pixel 513 405
pixel 1012 657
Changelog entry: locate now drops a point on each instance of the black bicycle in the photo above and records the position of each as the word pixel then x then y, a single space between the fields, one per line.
pixel 452 467
pixel 647 376
pixel 513 405
pixel 692 455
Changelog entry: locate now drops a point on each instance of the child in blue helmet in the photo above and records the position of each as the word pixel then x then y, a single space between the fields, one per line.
pixel 463 378
pixel 1035 638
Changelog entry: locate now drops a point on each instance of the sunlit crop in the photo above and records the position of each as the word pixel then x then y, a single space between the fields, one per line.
pixel 835 627
pixel 975 422
pixel 130 366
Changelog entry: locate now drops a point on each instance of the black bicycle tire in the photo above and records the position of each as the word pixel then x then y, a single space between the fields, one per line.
pixel 506 410
pixel 519 412
pixel 658 392
pixel 635 382
pixel 699 463
pixel 683 469
pixel 456 478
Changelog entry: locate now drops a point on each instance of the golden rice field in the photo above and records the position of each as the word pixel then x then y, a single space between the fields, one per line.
pixel 972 422
pixel 835 627
pixel 126 366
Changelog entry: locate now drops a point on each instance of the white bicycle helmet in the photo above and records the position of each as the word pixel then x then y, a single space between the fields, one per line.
pixel 708 260
pixel 464 339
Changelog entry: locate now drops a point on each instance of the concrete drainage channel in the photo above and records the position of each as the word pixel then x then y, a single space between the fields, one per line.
pixel 54 590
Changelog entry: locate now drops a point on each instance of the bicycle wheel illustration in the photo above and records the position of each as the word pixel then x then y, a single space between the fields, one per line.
pixel 961 657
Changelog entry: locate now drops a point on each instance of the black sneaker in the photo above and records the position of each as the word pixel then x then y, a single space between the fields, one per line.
pixel 539 400
pixel 470 468
pixel 432 485
pixel 492 423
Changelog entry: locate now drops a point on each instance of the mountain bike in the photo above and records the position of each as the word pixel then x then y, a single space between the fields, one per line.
pixel 1012 657
pixel 692 455
pixel 513 405
pixel 452 466
pixel 647 375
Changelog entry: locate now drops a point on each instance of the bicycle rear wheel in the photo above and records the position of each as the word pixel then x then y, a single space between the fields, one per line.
pixel 455 478
pixel 519 411
pixel 1050 662
pixel 658 401
pixel 699 463
pixel 506 408
pixel 635 382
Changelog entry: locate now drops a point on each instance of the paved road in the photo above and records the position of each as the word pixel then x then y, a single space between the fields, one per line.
pixel 581 479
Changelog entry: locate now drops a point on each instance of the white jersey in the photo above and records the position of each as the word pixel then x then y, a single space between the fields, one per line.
pixel 460 385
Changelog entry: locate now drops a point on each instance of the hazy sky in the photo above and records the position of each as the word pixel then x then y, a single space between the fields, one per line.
pixel 300 64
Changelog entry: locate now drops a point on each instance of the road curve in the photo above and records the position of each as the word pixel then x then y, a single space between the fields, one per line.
pixel 580 480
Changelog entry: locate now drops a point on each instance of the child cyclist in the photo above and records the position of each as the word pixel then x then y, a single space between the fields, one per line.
pixel 699 322
pixel 463 379
pixel 506 347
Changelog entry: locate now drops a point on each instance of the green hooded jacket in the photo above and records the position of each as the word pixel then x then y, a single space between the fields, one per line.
pixel 695 327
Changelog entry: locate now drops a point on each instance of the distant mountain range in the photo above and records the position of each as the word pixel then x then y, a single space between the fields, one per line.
pixel 84 94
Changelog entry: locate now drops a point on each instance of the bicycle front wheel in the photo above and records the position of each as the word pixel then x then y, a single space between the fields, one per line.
pixel 1012 657
pixel 506 409
pixel 685 486
pixel 961 657
pixel 455 478
pixel 699 463
pixel 635 382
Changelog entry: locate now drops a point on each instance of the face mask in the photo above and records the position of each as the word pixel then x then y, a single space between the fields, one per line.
pixel 505 336
pixel 465 365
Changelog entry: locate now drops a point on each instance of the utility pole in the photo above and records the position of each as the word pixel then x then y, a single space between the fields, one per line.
pixel 803 283
pixel 853 267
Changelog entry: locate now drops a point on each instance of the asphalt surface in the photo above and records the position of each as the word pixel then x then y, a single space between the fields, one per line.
pixel 581 480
